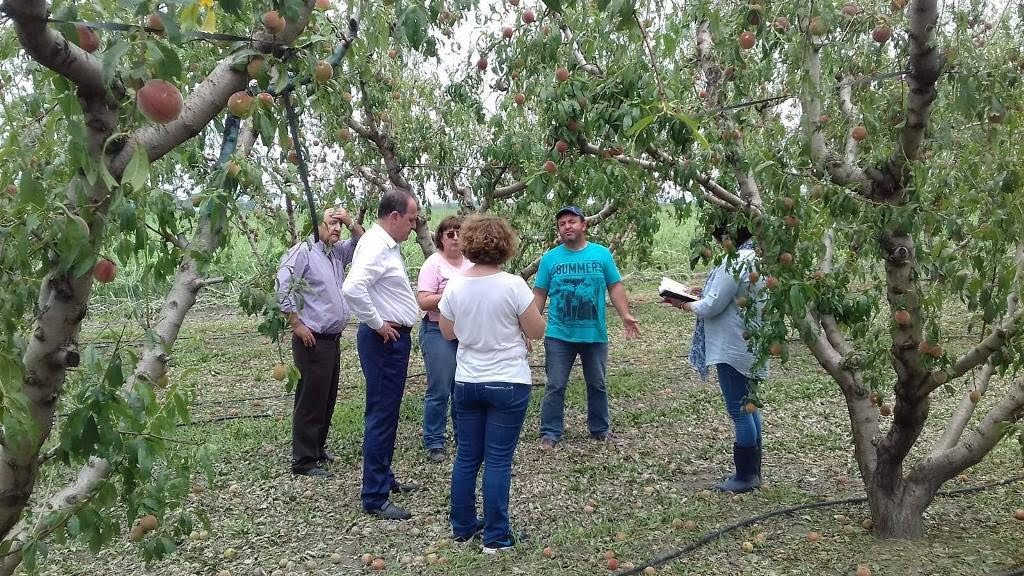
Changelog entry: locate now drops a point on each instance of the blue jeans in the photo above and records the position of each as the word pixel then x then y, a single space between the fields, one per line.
pixel 385 367
pixel 559 356
pixel 439 361
pixel 734 387
pixel 490 417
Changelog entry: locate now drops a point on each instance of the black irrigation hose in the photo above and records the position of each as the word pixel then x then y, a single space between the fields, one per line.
pixel 224 419
pixel 716 534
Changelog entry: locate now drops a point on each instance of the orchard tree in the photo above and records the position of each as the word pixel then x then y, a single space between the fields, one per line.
pixel 101 163
pixel 872 147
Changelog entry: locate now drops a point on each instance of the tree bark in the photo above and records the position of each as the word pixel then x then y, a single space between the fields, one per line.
pixel 63 299
pixel 899 513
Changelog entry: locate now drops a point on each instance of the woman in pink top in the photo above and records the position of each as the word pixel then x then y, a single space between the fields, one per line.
pixel 438 353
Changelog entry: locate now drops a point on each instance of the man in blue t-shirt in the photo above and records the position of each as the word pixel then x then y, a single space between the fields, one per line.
pixel 576 276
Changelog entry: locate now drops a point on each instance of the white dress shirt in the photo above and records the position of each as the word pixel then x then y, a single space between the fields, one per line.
pixel 377 288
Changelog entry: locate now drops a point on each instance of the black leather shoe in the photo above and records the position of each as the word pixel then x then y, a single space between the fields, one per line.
pixel 437 455
pixel 402 488
pixel 327 456
pixel 314 472
pixel 390 512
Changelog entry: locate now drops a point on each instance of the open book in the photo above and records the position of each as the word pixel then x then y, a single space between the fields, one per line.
pixel 669 288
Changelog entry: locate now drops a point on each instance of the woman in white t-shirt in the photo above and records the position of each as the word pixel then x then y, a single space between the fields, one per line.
pixel 438 352
pixel 491 313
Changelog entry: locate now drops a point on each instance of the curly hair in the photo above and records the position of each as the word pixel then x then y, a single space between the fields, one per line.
pixel 488 240
pixel 449 223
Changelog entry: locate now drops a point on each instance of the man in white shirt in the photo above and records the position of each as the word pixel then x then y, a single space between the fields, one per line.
pixel 378 293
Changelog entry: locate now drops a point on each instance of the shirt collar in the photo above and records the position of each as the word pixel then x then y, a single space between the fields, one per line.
pixel 389 242
pixel 315 240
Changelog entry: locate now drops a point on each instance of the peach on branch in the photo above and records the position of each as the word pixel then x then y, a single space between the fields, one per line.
pixel 519 98
pixel 322 5
pixel 104 271
pixel 254 66
pixel 881 34
pixel 529 17
pixel 154 23
pixel 781 24
pixel 159 101
pixel 323 71
pixel 747 40
pixel 88 40
pixel 507 31
pixel 901 317
pixel 550 167
pixel 273 22
pixel 240 104
pixel 818 26
pixel 482 63
pixel 859 133
pixel 562 74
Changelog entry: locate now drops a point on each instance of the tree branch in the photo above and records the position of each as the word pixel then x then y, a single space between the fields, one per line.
pixel 852 115
pixel 48 47
pixel 168 237
pixel 55 511
pixel 966 408
pixel 924 67
pixel 581 60
pixel 996 339
pixel 945 464
pixel 367 173
pixel 711 188
pixel 843 173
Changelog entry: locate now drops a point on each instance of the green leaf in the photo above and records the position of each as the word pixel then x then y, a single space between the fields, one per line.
pixel 414 23
pixel 181 407
pixel 165 59
pixel 31 192
pixel 640 125
pixel 137 172
pixel 555 5
pixel 231 6
pixel 112 59
pixel 693 128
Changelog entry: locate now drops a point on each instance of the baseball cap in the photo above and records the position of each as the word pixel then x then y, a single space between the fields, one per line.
pixel 576 210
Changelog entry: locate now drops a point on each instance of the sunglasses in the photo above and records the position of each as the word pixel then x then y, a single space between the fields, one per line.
pixel 451 234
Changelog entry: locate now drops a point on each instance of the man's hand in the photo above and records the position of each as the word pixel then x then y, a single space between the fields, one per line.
pixel 632 327
pixel 304 334
pixel 388 333
pixel 338 213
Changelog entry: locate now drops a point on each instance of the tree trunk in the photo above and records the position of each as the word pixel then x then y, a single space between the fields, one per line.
pixel 899 514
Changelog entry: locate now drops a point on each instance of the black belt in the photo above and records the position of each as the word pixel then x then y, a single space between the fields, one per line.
pixel 333 337
pixel 399 327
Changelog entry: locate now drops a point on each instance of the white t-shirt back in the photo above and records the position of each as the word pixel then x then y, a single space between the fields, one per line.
pixel 486 313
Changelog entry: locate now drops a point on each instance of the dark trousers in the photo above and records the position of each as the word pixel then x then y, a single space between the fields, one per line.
pixel 385 367
pixel 315 396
